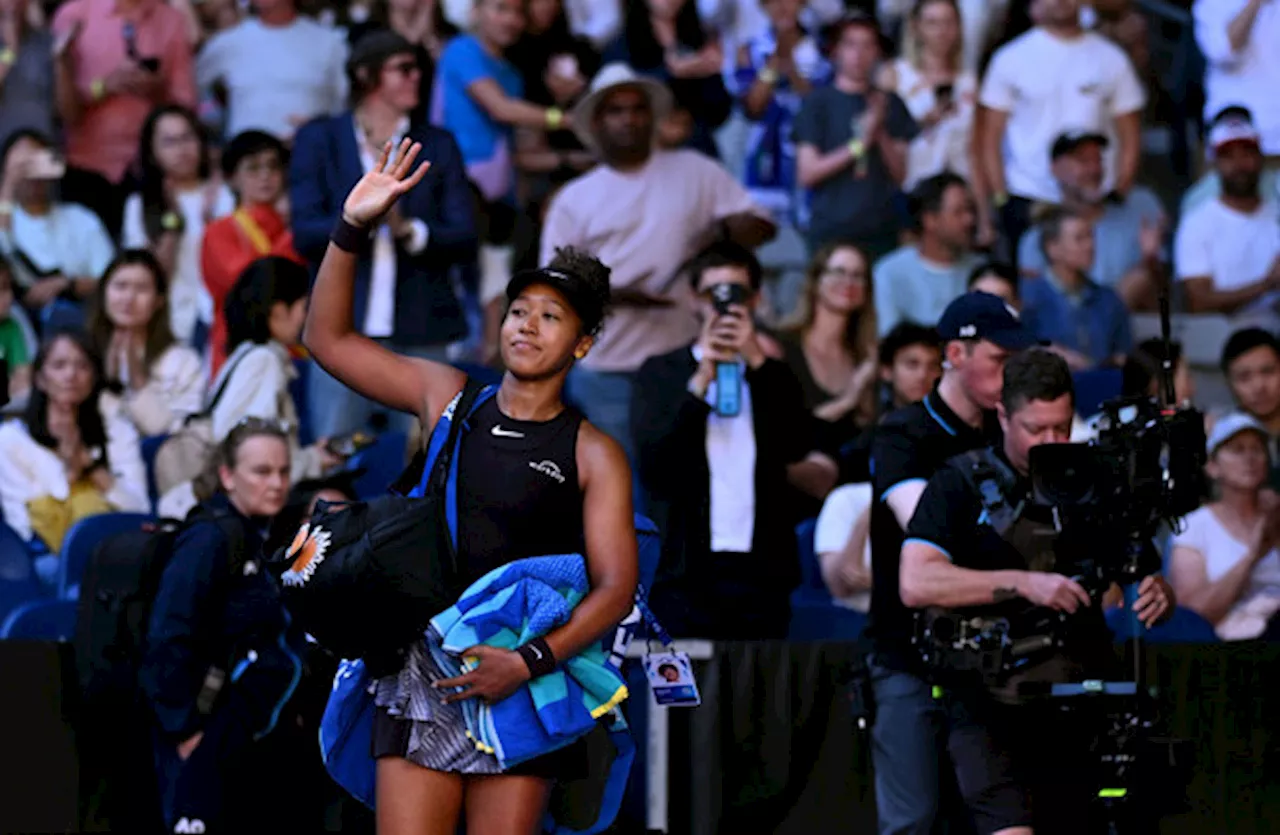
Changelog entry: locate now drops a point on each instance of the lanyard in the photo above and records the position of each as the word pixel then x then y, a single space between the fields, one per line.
pixel 656 632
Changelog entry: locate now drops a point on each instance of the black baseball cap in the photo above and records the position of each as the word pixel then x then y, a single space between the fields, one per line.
pixel 1068 142
pixel 586 302
pixel 979 316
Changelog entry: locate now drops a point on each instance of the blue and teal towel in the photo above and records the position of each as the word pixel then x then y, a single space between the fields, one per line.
pixel 506 608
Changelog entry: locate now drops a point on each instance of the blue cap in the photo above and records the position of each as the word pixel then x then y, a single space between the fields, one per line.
pixel 984 316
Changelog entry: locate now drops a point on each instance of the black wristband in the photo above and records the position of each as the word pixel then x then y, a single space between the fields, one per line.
pixel 538 657
pixel 350 238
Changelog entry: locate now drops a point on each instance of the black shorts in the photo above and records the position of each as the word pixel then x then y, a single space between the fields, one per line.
pixel 1026 765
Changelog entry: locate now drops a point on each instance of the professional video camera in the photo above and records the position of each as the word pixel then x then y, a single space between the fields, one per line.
pixel 1111 495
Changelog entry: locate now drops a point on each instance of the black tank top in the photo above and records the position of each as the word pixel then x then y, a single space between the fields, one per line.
pixel 518 492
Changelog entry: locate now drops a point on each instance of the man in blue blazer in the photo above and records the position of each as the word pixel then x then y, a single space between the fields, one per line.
pixel 404 293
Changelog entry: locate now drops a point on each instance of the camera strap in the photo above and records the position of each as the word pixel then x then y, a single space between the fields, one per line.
pixel 993 480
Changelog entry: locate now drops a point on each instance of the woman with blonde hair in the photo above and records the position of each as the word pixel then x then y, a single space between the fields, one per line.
pixel 931 80
pixel 831 343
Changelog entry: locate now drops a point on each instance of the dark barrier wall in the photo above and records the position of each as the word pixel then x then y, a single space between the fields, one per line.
pixel 772 749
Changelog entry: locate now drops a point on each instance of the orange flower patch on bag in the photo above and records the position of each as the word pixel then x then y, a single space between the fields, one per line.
pixel 305 554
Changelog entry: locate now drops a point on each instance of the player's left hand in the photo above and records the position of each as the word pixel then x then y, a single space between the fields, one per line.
pixel 379 189
pixel 1156 601
pixel 499 674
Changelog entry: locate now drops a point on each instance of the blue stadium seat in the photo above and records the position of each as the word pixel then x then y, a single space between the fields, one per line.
pixel 84 536
pixel 150 446
pixel 382 464
pixel 18 583
pixel 41 620
pixel 298 391
pixel 815 616
pixel 1184 627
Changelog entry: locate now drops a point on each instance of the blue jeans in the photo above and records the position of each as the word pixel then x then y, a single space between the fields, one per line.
pixel 337 410
pixel 908 745
pixel 604 397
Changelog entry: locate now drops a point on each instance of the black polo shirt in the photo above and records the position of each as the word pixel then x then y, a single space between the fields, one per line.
pixel 909 445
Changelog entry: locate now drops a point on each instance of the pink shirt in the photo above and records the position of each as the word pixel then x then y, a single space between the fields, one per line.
pixel 643 225
pixel 105 139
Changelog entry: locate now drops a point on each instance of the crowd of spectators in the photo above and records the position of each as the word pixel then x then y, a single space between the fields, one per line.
pixel 170 172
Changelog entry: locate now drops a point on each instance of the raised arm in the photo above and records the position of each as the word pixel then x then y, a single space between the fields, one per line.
pixel 409 384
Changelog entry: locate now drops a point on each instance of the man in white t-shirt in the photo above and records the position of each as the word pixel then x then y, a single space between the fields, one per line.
pixel 643 212
pixel 1240 40
pixel 1055 77
pixel 1227 250
pixel 280 70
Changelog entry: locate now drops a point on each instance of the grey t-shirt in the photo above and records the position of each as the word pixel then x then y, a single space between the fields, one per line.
pixel 26 97
pixel 1116 246
pixel 845 206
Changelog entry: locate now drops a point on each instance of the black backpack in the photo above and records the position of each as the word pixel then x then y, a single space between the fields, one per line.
pixel 114 725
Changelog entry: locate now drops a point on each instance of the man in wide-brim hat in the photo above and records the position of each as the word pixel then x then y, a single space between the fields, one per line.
pixel 644 211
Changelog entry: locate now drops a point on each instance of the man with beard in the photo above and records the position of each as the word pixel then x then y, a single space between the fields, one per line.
pixel 1228 250
pixel 643 212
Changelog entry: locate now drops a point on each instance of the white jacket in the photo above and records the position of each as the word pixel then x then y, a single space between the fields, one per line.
pixel 174 390
pixel 29 471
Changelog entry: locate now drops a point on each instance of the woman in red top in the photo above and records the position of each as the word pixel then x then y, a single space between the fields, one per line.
pixel 253 164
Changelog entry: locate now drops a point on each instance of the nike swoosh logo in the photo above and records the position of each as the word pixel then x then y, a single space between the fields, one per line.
pixel 537 652
pixel 499 432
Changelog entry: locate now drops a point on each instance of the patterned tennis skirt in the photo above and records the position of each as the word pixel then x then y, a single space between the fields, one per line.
pixel 411 722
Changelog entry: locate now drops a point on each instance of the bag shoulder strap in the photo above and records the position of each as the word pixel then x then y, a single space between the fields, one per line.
pixel 257 238
pixel 207 411
pixel 429 455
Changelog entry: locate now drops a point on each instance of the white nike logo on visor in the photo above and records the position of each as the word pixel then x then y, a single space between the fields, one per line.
pixel 499 432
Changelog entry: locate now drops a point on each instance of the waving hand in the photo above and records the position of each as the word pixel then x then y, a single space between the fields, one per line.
pixel 379 189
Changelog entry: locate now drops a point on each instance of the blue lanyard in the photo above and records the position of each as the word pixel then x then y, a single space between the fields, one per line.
pixel 655 629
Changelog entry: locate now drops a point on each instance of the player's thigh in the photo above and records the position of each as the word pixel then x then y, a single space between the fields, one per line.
pixel 504 804
pixel 412 800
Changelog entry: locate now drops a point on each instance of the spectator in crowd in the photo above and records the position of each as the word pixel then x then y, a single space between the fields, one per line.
pixel 556 66
pixel 167 215
pixel 939 93
pixel 666 40
pixel 422 24
pixel 1227 250
pixel 254 165
pixel 1121 227
pixel 851 146
pixel 404 295
pixel 265 311
pixel 1055 77
pixel 1224 564
pixel 720 483
pixel 14 346
pixel 57 250
pixel 832 348
pixel 1084 321
pixel 643 212
pixel 279 69
pixel 26 73
pixel 910 364
pixel 842 541
pixel 774 71
pixel 221 658
pixel 916 282
pixel 118 60
pixel 72 454
pixel 1238 39
pixel 479 98
pixel 159 380
pixel 1251 363
pixel 998 279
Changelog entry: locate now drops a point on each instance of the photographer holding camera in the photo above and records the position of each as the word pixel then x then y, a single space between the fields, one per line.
pixel 979 545
pixel 723 437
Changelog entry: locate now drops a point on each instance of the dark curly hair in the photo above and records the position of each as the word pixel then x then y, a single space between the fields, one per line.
pixel 593 276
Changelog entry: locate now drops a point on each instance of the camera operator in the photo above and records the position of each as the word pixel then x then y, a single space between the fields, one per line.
pixel 979 332
pixel 963 552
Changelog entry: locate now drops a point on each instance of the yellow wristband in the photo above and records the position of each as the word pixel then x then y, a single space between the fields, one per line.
pixel 97 89
pixel 555 116
pixel 8 57
pixel 999 200
pixel 768 76
pixel 857 148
